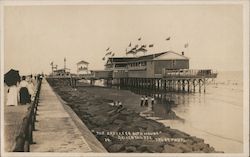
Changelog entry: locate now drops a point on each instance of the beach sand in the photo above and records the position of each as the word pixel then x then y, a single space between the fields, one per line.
pixel 122 129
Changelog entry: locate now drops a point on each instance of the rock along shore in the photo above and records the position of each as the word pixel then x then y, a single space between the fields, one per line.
pixel 122 129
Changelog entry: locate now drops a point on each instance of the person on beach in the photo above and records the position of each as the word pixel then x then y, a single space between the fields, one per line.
pixel 113 103
pixel 23 92
pixel 12 96
pixel 146 101
pixel 119 107
pixel 152 102
pixel 119 104
pixel 142 100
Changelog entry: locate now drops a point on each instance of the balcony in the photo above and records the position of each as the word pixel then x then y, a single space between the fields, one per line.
pixel 137 68
pixel 189 73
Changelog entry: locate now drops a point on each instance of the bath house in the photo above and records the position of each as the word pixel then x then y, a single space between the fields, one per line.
pixel 148 66
pixel 164 71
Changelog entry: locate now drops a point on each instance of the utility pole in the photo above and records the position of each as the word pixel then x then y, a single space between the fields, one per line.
pixel 52 67
pixel 65 63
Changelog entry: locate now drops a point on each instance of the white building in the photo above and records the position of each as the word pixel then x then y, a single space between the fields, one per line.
pixel 82 67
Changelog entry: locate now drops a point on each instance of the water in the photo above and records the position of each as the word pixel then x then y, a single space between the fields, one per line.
pixel 216 116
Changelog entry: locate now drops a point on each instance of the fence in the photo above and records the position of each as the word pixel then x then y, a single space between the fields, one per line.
pixel 25 136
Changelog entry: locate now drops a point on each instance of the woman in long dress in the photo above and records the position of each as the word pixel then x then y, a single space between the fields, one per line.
pixel 23 92
pixel 12 96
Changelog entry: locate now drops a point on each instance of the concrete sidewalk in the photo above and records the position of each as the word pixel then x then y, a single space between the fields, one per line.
pixel 55 129
pixel 13 118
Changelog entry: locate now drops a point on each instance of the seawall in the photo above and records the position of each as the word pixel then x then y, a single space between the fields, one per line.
pixel 123 129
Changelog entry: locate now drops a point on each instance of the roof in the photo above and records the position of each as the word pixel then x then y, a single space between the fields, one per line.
pixel 82 62
pixel 149 57
pixel 170 55
pixel 119 60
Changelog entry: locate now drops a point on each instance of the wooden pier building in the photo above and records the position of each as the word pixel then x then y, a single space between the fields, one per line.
pixel 165 71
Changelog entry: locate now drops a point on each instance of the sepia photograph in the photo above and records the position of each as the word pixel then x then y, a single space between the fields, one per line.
pixel 108 78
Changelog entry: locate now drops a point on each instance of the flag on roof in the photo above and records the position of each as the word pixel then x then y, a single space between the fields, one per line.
pixel 142 49
pixel 130 44
pixel 186 45
pixel 131 51
pixel 109 53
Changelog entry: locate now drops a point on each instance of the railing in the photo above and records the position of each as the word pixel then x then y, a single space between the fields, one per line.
pixel 85 75
pixel 25 136
pixel 189 73
pixel 138 68
pixel 59 76
pixel 102 74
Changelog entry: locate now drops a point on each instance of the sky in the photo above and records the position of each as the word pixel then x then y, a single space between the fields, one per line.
pixel 34 36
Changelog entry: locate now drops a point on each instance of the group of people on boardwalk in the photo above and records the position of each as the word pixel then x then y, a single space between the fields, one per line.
pixel 23 91
pixel 145 101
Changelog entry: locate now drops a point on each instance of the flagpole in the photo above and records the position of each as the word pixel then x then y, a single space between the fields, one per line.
pixel 51 67
pixel 168 39
pixel 186 46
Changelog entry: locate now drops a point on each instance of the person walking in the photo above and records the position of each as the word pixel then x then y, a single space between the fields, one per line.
pixel 33 80
pixel 31 88
pixel 12 96
pixel 23 92
pixel 11 79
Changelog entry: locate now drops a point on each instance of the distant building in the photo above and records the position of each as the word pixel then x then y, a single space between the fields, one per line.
pixel 82 67
pixel 148 66
pixel 62 72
